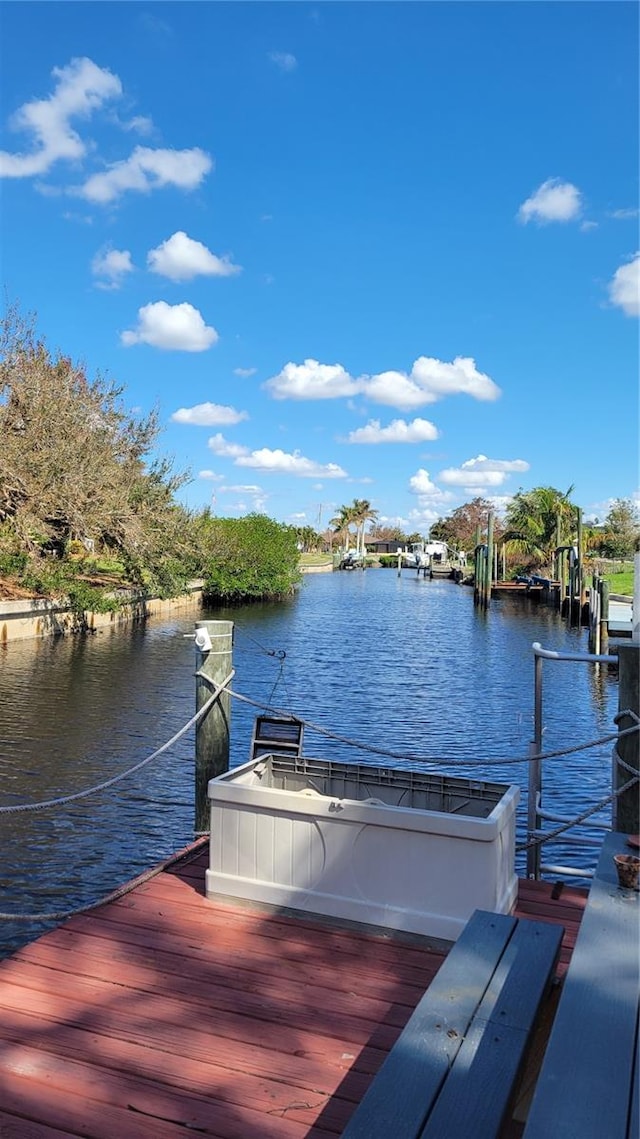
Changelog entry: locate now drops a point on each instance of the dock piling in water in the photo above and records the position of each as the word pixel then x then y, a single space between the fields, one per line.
pixel 212 731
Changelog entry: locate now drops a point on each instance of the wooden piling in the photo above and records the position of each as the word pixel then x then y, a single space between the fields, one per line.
pixel 581 579
pixel 476 568
pixel 489 578
pixel 626 812
pixel 594 615
pixel 604 616
pixel 213 666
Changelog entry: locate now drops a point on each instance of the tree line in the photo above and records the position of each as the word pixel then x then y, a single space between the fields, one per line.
pixel 85 501
pixel 535 523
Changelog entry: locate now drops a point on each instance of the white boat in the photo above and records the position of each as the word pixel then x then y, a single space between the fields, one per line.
pixel 429 555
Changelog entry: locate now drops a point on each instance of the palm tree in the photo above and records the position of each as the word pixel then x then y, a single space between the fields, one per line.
pixel 362 513
pixel 538 521
pixel 341 524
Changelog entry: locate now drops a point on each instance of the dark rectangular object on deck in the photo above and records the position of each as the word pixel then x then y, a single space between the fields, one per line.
pixel 453 1070
pixel 588 1086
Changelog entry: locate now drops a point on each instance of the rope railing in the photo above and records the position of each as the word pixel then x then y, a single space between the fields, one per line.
pixel 548 836
pixel 386 753
pixel 535 840
pixel 310 725
pixel 17 808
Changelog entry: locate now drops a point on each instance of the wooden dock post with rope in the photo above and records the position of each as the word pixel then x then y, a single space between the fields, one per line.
pixel 213 666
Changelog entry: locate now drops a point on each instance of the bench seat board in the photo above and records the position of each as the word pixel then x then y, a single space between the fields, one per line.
pixel 634 1115
pixel 585 1087
pixel 479 1088
pixel 634 1120
pixel 489 988
pixel 398 1100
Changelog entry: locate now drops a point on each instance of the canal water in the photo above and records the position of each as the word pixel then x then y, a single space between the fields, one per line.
pixel 401 664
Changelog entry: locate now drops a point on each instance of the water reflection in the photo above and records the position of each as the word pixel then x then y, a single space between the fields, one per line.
pixel 399 663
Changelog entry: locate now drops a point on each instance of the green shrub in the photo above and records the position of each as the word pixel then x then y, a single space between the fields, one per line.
pixel 249 559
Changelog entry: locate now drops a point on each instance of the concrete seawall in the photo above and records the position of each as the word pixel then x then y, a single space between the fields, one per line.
pixel 25 619
pixel 326 568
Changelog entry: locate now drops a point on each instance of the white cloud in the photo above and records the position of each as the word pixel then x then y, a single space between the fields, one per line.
pixel 244 373
pixel 420 520
pixel 398 431
pixel 240 488
pixel 284 60
pixel 500 502
pixel 554 200
pixel 624 287
pixel 181 258
pixel 209 415
pixel 588 226
pixel 146 169
pixel 428 381
pixel 210 475
pixel 221 446
pixel 312 380
pixel 275 461
pixel 82 88
pixel 482 472
pixel 482 463
pixel 139 124
pixel 624 214
pixel 290 464
pixel 421 484
pixel 111 266
pixel 171 327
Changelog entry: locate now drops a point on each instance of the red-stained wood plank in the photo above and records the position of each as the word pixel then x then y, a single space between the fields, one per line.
pixel 235 1082
pixel 248 951
pixel 15 1128
pixel 243 992
pixel 298 1057
pixel 239 1018
pixel 165 1011
pixel 138 1106
pixel 152 900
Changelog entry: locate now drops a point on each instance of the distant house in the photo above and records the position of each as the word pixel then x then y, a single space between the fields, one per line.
pixel 383 545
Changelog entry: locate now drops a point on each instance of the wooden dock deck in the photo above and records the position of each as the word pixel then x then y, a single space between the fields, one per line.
pixel 163 1014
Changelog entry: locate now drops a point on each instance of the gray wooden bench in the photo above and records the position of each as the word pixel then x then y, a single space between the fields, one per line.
pixel 452 1071
pixel 588 1084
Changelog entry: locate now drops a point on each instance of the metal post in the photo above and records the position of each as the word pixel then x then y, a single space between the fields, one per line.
pixel 535 772
pixel 213 666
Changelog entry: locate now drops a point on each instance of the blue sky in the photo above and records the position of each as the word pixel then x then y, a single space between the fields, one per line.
pixel 349 250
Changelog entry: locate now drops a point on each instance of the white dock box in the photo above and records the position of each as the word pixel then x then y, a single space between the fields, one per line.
pixel 386 846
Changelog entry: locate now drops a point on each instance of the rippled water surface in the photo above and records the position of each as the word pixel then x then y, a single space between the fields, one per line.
pixel 403 664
